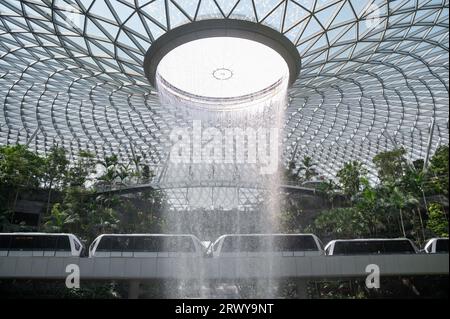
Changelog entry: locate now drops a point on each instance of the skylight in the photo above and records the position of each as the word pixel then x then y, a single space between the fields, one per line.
pixel 222 67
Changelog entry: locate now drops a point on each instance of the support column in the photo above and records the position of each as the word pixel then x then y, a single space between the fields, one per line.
pixel 301 287
pixel 134 289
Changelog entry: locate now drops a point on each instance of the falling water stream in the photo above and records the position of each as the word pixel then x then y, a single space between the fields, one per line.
pixel 210 211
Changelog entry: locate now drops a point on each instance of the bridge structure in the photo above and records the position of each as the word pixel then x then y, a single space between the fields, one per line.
pixel 136 188
pixel 179 267
pixel 190 194
pixel 225 269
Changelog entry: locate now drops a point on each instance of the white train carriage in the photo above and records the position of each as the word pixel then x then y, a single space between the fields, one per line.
pixel 239 245
pixel 40 245
pixel 371 246
pixel 146 245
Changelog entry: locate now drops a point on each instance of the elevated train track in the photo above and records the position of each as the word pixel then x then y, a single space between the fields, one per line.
pixel 226 268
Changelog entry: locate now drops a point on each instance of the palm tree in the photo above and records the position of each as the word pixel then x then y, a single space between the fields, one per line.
pixel 111 173
pixel 308 168
pixel 60 220
pixel 401 201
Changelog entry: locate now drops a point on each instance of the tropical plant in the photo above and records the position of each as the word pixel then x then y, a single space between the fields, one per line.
pixel 350 176
pixel 55 171
pixel 343 223
pixel 81 171
pixel 330 190
pixel 19 169
pixel 438 171
pixel 437 220
pixel 307 169
pixel 390 165
pixel 401 201
pixel 60 220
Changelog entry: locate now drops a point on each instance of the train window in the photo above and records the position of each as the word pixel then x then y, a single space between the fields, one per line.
pixel 22 243
pixel 63 243
pixel 442 246
pixel 104 244
pixel 361 248
pixel 280 243
pixel 269 243
pixel 169 244
pixel 251 244
pixel 230 244
pixel 340 248
pixel 5 242
pixel 365 247
pixel 398 246
pixel 355 248
pixel 246 244
pixel 46 242
pixel 295 243
pixel 147 244
pixel 183 245
pixel 121 243
pixel 308 243
pixel 373 247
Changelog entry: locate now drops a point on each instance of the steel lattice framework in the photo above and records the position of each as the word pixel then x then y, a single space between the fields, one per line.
pixel 374 75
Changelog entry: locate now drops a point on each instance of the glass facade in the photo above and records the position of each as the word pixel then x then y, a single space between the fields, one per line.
pixel 374 75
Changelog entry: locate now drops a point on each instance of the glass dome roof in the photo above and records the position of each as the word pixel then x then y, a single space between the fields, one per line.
pixel 374 75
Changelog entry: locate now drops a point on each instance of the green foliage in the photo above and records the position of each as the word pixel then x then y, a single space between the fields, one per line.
pixel 342 223
pixel 304 173
pixel 79 173
pixel 437 220
pixel 59 220
pixel 55 167
pixel 414 179
pixel 439 170
pixel 142 216
pixel 20 167
pixel 350 177
pixel 82 214
pixel 390 165
pixel 289 221
pixel 395 207
pixel 329 189
pixel 307 169
pixel 77 209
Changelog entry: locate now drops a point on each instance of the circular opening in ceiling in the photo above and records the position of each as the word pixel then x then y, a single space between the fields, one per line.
pixel 222 68
pixel 223 60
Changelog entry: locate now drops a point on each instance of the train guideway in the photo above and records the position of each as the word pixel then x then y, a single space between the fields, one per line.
pixel 227 268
